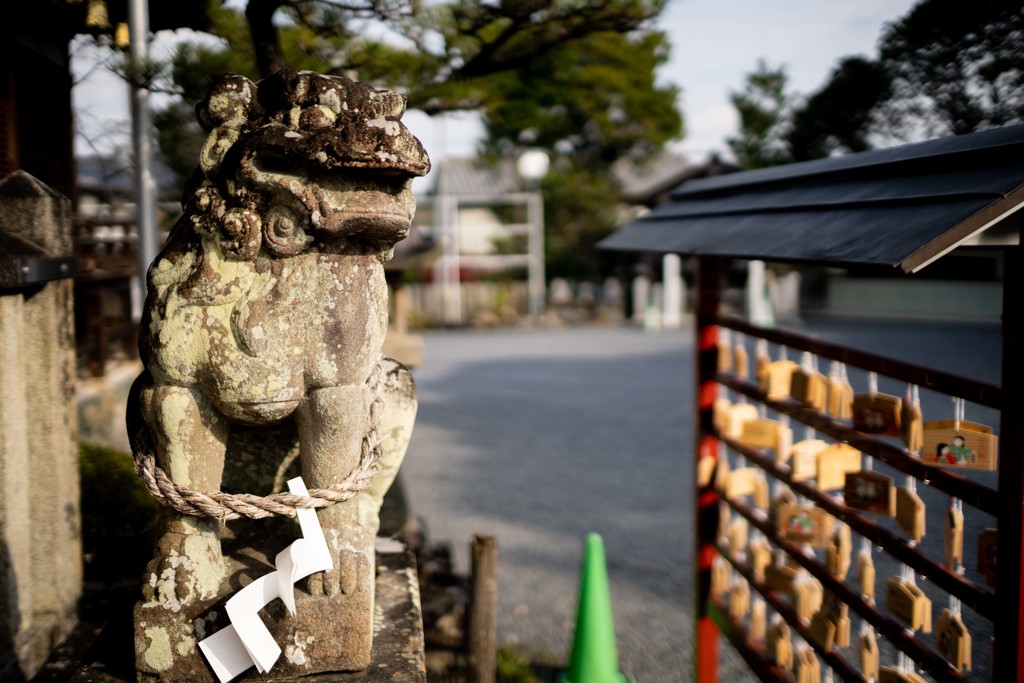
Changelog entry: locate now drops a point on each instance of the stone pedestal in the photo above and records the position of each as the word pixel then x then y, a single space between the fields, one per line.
pixel 397 654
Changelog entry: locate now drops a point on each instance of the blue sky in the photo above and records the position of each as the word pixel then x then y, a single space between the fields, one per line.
pixel 714 44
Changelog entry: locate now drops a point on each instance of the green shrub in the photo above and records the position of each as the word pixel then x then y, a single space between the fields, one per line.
pixel 514 668
pixel 119 517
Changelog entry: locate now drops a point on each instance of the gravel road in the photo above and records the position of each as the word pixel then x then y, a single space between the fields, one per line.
pixel 539 437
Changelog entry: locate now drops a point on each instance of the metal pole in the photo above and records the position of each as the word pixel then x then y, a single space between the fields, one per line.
pixel 142 138
pixel 535 208
pixel 453 267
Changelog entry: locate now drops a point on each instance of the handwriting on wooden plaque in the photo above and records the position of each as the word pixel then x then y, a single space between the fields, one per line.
pixel 870 491
pixel 877 414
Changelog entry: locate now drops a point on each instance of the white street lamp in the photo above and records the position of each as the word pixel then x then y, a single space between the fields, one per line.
pixel 532 166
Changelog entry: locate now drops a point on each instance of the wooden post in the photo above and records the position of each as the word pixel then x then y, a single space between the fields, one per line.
pixel 483 610
pixel 1009 622
pixel 709 278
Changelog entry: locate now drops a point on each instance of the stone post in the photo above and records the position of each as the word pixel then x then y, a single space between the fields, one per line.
pixel 40 543
pixel 641 298
pixel 672 277
pixel 759 307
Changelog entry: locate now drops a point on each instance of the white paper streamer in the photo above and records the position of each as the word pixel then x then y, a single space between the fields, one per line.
pixel 246 641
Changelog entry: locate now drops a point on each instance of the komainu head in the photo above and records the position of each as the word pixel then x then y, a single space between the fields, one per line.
pixel 300 160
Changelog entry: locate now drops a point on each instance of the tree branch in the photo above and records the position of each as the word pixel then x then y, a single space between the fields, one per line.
pixel 553 31
pixel 265 39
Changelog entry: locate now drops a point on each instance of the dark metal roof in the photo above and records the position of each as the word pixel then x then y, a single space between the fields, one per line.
pixel 649 182
pixel 903 206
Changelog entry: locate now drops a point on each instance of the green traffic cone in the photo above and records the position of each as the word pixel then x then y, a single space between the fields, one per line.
pixel 594 656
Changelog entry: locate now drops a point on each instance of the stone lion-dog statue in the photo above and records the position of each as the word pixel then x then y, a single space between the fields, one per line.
pixel 268 304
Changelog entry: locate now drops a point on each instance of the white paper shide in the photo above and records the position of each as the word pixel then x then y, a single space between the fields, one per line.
pixel 246 641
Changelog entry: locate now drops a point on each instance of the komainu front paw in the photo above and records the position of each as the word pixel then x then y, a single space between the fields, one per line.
pixel 350 575
pixel 175 578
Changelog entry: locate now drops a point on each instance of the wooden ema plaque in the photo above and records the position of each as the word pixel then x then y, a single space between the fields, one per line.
pixel 738 414
pixel 705 470
pixel 953 538
pixel 776 379
pixel 808 668
pixel 866 575
pixel 953 640
pixel 838 612
pixel 840 399
pixel 740 362
pixel 720 414
pixel 765 433
pixel 803 460
pixel 912 426
pixel 910 513
pixel 877 414
pixel 722 472
pixel 807 597
pixel 867 654
pixel 809 388
pixel 761 363
pixel 724 355
pixel 780 645
pixel 823 630
pixel 739 532
pixel 781 577
pixel 834 463
pixel 893 674
pixel 758 619
pixel 783 497
pixel 871 492
pixel 805 524
pixel 760 553
pixel 747 481
pixel 721 574
pixel 837 554
pixel 908 603
pixel 739 600
pixel 972 447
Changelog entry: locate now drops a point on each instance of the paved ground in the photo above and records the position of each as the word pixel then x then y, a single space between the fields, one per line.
pixel 540 437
